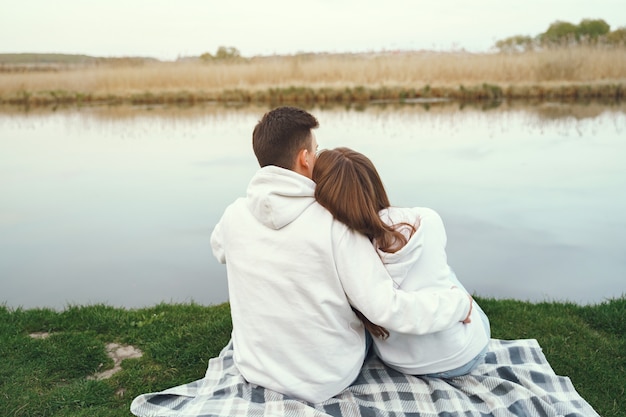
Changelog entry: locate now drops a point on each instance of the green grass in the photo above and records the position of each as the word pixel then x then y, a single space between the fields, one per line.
pixel 48 377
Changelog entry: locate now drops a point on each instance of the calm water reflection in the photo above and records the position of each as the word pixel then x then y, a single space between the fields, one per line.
pixel 116 205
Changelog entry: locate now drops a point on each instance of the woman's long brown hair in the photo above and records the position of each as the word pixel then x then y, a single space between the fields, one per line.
pixel 349 186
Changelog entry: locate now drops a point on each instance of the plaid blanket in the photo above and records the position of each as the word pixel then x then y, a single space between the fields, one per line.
pixel 514 380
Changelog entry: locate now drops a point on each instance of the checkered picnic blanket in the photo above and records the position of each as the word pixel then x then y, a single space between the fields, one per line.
pixel 515 380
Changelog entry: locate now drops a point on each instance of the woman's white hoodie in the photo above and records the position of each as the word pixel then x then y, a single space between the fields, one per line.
pixel 422 265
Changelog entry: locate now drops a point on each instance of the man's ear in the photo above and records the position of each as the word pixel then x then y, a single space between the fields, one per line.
pixel 304 154
pixel 302 165
pixel 303 158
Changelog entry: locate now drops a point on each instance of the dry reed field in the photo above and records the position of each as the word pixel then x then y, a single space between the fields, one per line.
pixel 581 72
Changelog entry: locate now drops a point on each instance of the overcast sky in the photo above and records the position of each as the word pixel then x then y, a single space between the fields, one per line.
pixel 167 29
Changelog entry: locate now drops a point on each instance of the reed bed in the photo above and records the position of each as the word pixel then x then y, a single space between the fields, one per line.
pixel 574 72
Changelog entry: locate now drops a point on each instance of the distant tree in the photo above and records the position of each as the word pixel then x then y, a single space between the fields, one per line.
pixel 222 53
pixel 616 37
pixel 559 32
pixel 517 43
pixel 227 52
pixel 591 30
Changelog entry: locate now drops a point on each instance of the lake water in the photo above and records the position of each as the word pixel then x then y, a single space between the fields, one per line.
pixel 116 205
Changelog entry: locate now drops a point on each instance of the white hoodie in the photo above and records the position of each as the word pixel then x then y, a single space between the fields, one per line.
pixel 422 265
pixel 292 273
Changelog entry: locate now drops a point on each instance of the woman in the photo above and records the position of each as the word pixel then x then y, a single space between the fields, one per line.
pixel 411 243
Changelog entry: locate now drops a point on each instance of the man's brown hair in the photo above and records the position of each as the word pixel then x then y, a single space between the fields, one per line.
pixel 281 134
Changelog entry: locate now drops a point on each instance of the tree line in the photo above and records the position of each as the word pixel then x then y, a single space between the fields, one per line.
pixel 561 33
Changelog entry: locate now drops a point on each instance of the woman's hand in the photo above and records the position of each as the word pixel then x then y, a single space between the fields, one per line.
pixel 468 319
pixel 374 329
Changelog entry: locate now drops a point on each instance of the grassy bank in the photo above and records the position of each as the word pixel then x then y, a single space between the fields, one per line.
pixel 49 376
pixel 574 73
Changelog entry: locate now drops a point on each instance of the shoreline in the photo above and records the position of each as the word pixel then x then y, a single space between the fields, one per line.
pixel 479 93
pixel 583 72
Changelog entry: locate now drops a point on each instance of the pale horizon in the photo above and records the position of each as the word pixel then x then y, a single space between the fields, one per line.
pixel 167 30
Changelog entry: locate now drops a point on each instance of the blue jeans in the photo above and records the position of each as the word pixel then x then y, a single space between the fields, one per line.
pixel 462 370
pixel 369 341
pixel 472 364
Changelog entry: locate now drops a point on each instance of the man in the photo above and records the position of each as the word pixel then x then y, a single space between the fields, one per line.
pixel 294 272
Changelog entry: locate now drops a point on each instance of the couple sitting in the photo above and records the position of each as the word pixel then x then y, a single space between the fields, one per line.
pixel 303 254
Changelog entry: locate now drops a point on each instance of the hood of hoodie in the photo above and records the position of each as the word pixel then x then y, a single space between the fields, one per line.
pixel 399 263
pixel 277 196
